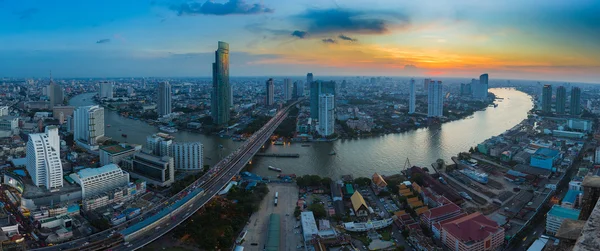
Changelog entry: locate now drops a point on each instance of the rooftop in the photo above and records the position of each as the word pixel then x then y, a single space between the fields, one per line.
pixel 563 212
pixel 358 201
pixel 116 149
pixel 546 152
pixel 437 212
pixel 309 225
pixel 473 227
pixel 571 196
pixel 90 172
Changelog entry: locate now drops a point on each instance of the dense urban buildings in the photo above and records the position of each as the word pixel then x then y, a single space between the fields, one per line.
pixel 412 100
pixel 55 94
pixel 561 99
pixel 326 115
pixel 309 78
pixel 269 92
pixel 288 89
pixel 43 159
pixel 89 126
pixel 94 181
pixel 547 99
pixel 164 99
pixel 435 99
pixel 188 156
pixel 575 101
pixel 221 89
pixel 106 89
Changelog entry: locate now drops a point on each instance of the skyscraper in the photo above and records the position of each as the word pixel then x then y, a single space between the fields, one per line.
pixel 426 84
pixel 316 89
pixel 164 99
pixel 483 89
pixel 55 93
pixel 575 101
pixel 475 88
pixel 188 156
pixel 43 159
pixel 547 99
pixel 89 125
pixel 465 89
pixel 435 99
pixel 326 114
pixel 309 78
pixel 288 88
pixel 158 145
pixel 299 89
pixel 270 92
pixel 106 89
pixel 412 99
pixel 561 99
pixel 221 93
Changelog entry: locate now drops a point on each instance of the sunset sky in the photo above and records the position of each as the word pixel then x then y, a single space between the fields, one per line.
pixel 514 39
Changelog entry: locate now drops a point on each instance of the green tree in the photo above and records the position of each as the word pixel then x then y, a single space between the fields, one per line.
pixel 326 181
pixel 297 212
pixel 318 210
pixel 362 181
pixel 314 180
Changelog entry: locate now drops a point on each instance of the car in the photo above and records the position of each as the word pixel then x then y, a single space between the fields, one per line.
pixel 130 245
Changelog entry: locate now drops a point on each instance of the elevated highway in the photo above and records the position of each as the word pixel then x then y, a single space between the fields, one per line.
pixel 165 216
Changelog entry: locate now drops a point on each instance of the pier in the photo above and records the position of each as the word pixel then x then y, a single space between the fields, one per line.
pixel 278 155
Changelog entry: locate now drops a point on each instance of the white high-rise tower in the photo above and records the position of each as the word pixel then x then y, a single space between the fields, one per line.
pixel 89 125
pixel 106 89
pixel 435 99
pixel 326 114
pixel 288 89
pixel 43 159
pixel 164 99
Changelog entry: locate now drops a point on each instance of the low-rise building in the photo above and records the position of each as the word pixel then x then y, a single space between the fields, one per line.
pixel 557 215
pixel 155 170
pixel 472 232
pixel 440 213
pixel 95 181
pixel 545 158
pixel 115 153
pixel 359 205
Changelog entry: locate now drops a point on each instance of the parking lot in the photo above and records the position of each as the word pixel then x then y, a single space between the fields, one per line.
pixel 258 224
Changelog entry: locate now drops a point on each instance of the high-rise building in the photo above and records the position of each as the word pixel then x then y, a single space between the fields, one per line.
pixel 188 156
pixel 465 89
pixel 270 92
pixel 115 153
pixel 316 89
pixel 561 99
pixel 412 101
pixel 309 78
pixel 288 88
pixel 326 115
pixel 56 94
pixel 164 99
pixel 426 84
pixel 221 92
pixel 158 145
pixel 483 86
pixel 106 89
pixel 43 159
pixel 475 88
pixel 575 101
pixel 159 171
pixel 89 126
pixel 547 99
pixel 94 181
pixel 435 99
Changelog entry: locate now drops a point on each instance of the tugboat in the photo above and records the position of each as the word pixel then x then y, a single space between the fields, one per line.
pixel 274 169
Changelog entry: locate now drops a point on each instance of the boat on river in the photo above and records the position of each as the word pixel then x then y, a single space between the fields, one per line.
pixel 168 129
pixel 272 168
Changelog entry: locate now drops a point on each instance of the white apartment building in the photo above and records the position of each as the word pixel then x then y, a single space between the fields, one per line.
pixel 43 159
pixel 106 89
pixel 326 115
pixel 164 99
pixel 288 89
pixel 435 99
pixel 158 145
pixel 188 156
pixel 89 126
pixel 95 181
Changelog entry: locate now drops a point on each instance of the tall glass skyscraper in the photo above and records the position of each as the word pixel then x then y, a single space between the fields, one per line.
pixel 412 98
pixel 316 89
pixel 547 99
pixel 164 98
pixel 309 78
pixel 435 99
pixel 483 81
pixel 270 92
pixel 575 101
pixel 561 99
pixel 221 93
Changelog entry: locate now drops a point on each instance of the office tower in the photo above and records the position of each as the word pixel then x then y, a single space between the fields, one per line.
pixel 188 156
pixel 465 89
pixel 483 86
pixel 106 89
pixel 115 153
pixel 295 89
pixel 55 93
pixel 270 93
pixel 221 92
pixel 326 114
pixel 164 99
pixel 412 99
pixel 475 88
pixel 316 89
pixel 309 78
pixel 435 99
pixel 43 159
pixel 575 101
pixel 287 89
pixel 547 99
pixel 158 145
pixel 230 95
pixel 89 125
pixel 561 99
pixel 159 171
pixel 299 89
pixel 94 181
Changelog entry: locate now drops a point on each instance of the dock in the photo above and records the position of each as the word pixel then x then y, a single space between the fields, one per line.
pixel 278 155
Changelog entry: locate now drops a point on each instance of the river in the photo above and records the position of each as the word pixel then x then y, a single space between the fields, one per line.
pixel 360 157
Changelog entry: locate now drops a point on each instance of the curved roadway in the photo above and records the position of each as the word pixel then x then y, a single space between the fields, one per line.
pixel 212 182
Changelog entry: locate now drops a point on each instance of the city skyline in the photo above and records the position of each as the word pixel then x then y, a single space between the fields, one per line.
pixel 157 39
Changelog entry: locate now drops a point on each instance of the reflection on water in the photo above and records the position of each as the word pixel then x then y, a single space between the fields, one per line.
pixel 360 157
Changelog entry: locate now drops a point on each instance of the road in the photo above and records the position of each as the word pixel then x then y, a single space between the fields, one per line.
pixel 211 183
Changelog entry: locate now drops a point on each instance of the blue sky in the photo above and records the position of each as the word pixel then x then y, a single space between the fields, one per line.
pixel 550 39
